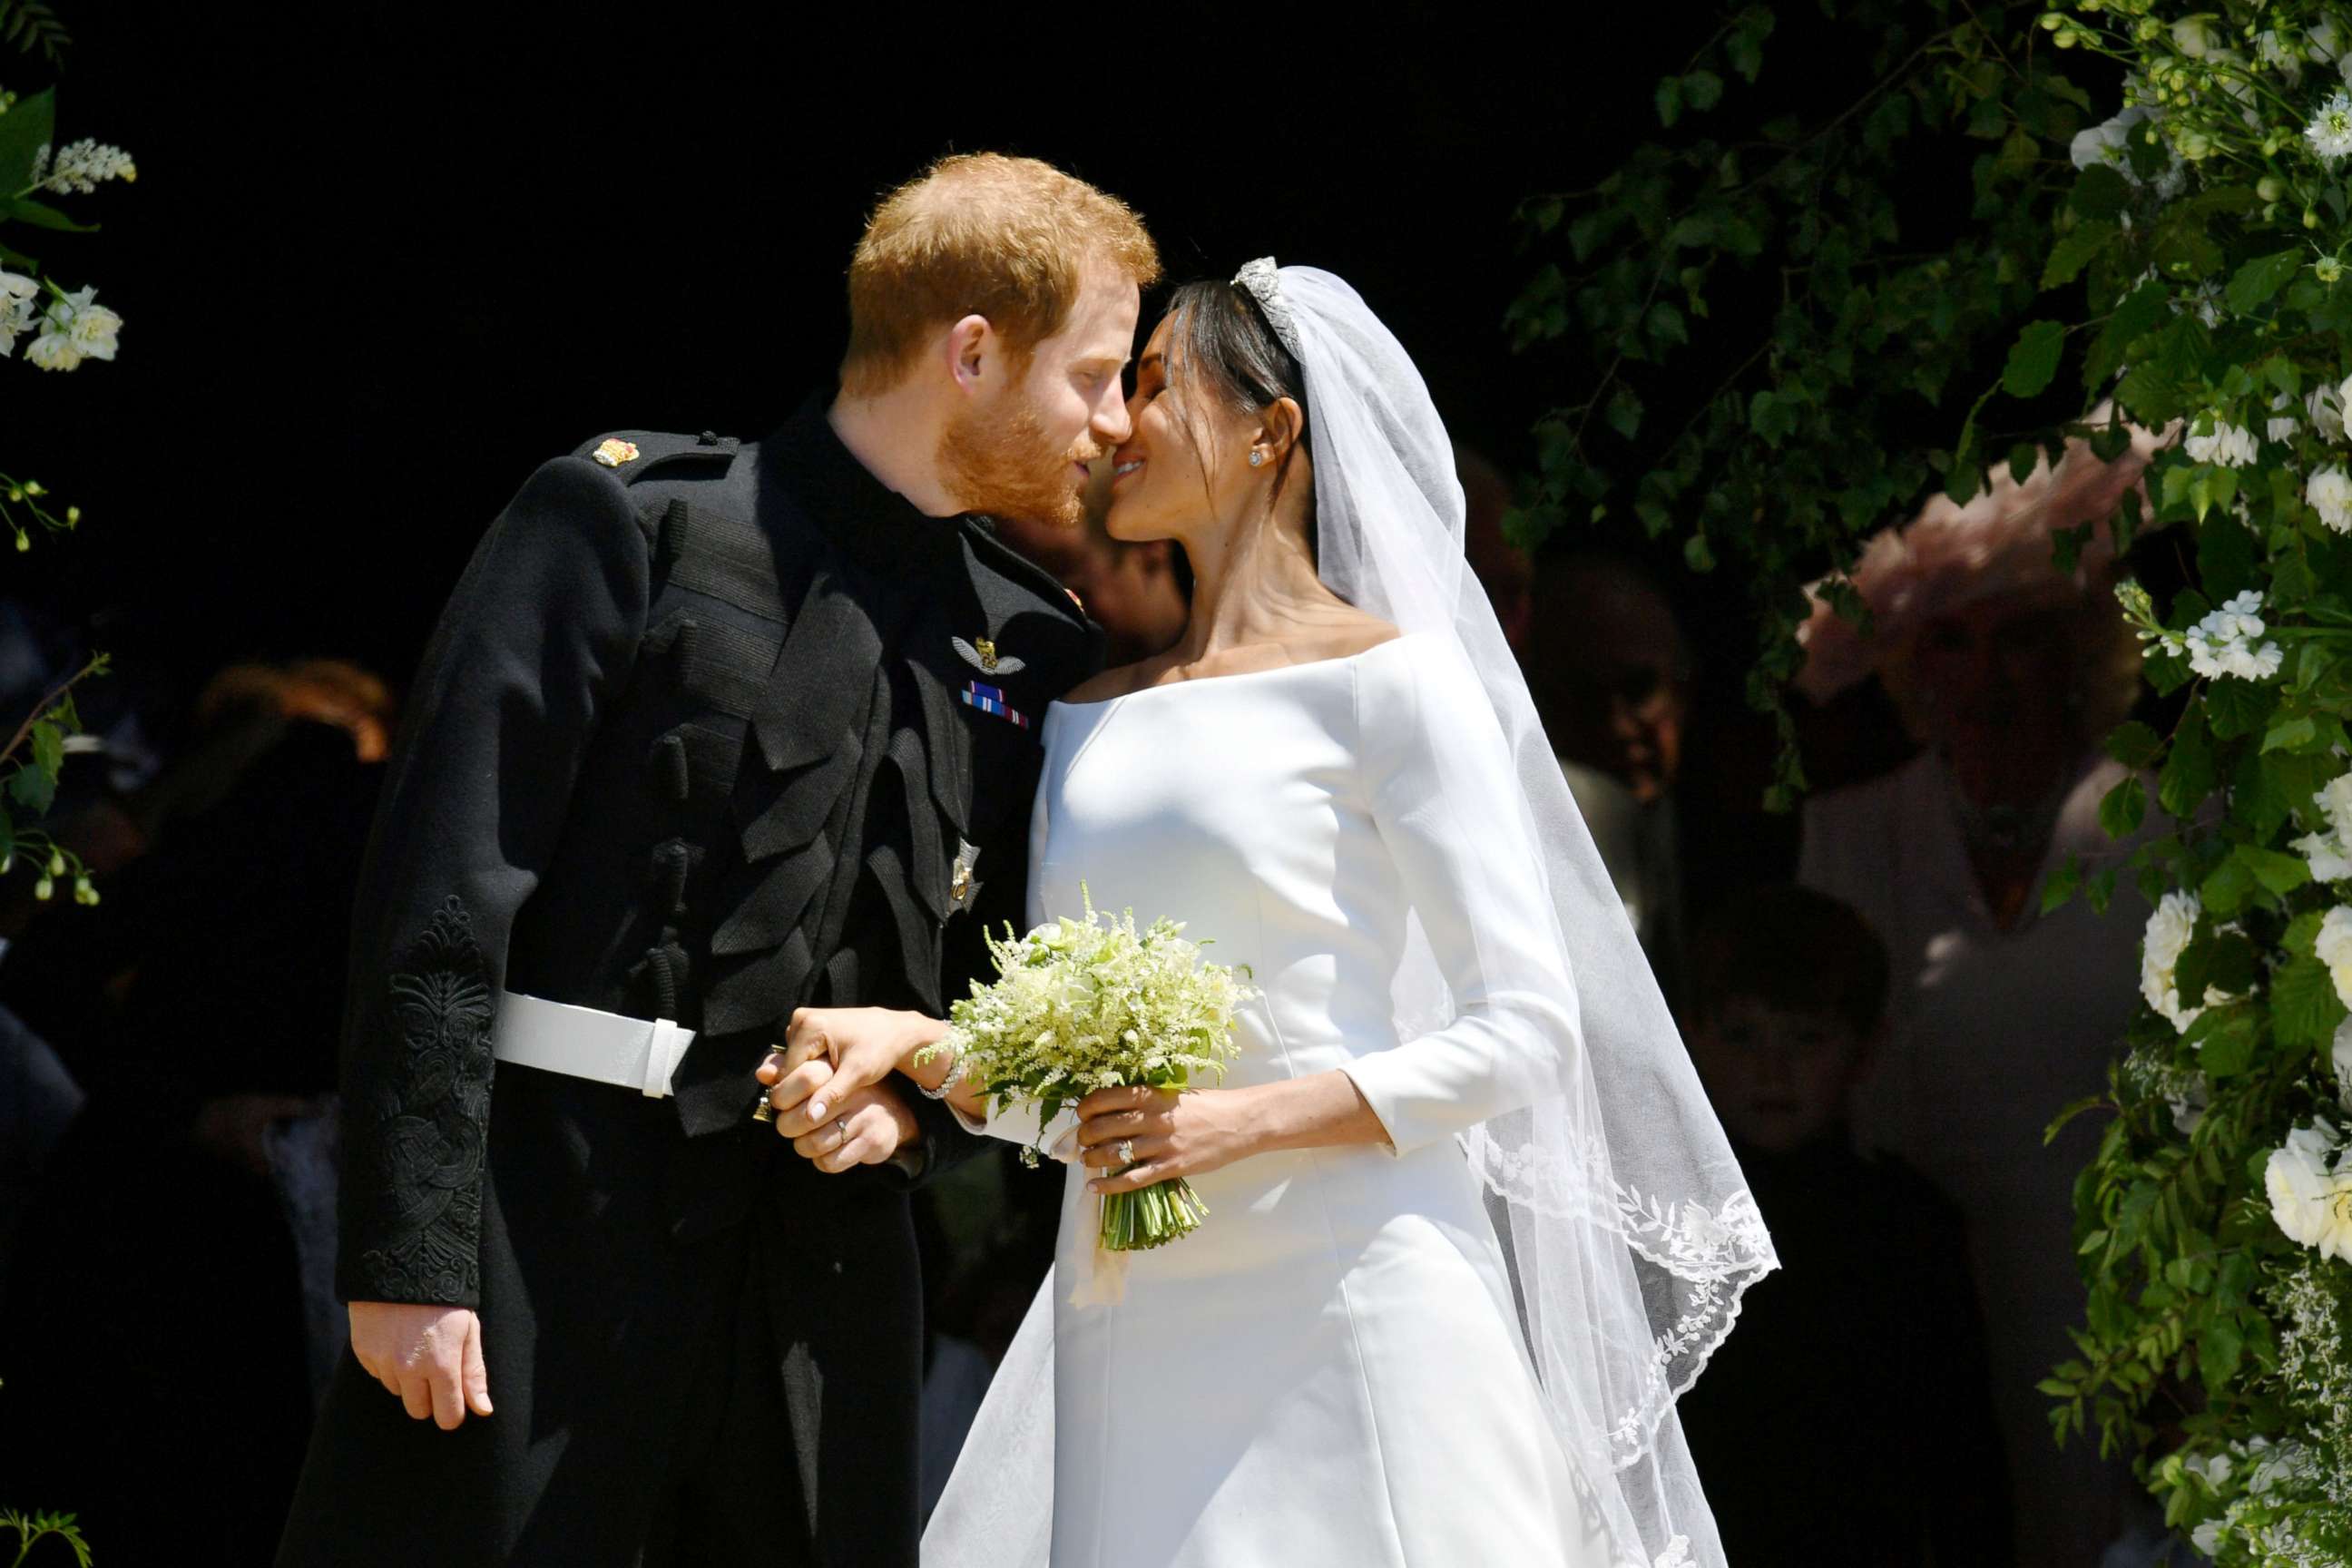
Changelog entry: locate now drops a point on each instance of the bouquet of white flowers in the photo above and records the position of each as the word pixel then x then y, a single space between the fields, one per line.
pixel 1079 1006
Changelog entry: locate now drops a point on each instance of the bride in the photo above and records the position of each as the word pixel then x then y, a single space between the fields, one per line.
pixel 1472 1227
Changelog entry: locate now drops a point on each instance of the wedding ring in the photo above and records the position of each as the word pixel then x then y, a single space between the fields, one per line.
pixel 840 1133
pixel 1127 1151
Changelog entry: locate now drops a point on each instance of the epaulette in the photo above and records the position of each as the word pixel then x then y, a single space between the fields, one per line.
pixel 634 454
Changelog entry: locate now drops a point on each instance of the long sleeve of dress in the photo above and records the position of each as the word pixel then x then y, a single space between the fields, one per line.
pixel 541 630
pixel 1444 794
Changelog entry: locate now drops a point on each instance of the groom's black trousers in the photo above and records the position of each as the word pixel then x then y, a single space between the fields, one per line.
pixel 670 1388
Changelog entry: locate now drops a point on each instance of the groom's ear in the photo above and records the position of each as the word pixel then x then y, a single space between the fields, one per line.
pixel 971 353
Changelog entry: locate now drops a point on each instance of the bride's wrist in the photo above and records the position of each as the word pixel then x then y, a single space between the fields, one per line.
pixel 923 1032
pixel 1250 1121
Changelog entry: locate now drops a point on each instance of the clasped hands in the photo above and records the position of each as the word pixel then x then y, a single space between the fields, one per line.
pixel 827 1083
pixel 828 1086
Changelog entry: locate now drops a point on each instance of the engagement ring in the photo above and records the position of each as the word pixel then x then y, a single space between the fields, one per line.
pixel 1127 1151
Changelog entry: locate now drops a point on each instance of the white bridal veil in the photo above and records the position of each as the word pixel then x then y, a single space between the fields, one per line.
pixel 1629 1230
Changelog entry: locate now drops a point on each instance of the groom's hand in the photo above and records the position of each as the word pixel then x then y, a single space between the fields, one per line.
pixel 431 1357
pixel 825 1084
pixel 866 1128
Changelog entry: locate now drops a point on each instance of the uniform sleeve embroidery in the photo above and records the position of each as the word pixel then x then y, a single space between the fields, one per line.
pixel 428 1118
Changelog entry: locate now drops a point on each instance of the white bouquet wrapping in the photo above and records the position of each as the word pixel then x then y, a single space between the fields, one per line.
pixel 1079 1006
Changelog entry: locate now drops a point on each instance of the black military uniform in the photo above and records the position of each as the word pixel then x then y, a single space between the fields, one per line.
pixel 704 736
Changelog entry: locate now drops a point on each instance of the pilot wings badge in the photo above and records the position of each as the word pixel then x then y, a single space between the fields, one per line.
pixel 981 655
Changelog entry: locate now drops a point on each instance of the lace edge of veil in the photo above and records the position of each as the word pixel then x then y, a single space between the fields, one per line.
pixel 1719 1252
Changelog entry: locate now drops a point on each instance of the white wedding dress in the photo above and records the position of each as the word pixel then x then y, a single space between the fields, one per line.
pixel 1330 1373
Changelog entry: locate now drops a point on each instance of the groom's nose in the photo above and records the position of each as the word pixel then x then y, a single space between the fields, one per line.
pixel 1111 425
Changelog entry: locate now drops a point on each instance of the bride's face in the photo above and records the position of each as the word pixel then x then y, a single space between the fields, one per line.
pixel 1187 463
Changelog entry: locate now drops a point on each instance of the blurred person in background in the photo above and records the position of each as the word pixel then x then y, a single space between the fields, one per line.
pixel 2007 673
pixel 1868 1347
pixel 1502 568
pixel 1610 673
pixel 189 1191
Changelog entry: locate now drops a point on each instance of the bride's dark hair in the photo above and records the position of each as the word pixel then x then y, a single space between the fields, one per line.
pixel 1222 340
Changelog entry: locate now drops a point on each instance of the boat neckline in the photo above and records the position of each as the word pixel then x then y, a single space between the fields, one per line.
pixel 1113 701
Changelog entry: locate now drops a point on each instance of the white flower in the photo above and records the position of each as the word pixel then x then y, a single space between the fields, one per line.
pixel 2214 1469
pixel 2333 948
pixel 2106 143
pixel 17 312
pixel 2334 802
pixel 2329 492
pixel 94 328
pixel 2171 925
pixel 2206 1536
pixel 2330 856
pixel 2226 642
pixel 84 165
pixel 2192 36
pixel 2228 68
pixel 53 350
pixel 2339 1057
pixel 2273 53
pixel 2321 43
pixel 2325 406
pixel 2231 446
pixel 2309 1183
pixel 2284 1463
pixel 2281 427
pixel 2330 131
pixel 1080 1006
pixel 75 330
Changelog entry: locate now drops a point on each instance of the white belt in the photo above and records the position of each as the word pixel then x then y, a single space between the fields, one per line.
pixel 554 1037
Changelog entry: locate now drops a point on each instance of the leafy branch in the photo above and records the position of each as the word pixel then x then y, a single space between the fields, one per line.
pixel 1792 246
pixel 30 1529
pixel 33 28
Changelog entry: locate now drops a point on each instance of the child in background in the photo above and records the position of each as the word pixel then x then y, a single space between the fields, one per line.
pixel 1851 1421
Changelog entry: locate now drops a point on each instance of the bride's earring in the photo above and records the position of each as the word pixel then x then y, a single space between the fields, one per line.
pixel 1257 460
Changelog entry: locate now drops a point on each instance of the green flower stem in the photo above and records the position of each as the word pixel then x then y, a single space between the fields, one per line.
pixel 97 666
pixel 1153 1216
pixel 15 493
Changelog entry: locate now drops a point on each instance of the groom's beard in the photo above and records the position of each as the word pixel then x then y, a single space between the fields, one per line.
pixel 1006 465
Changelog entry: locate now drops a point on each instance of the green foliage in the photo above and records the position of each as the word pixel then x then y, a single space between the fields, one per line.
pixel 1770 451
pixel 30 767
pixel 35 755
pixel 33 1528
pixel 31 26
pixel 2187 260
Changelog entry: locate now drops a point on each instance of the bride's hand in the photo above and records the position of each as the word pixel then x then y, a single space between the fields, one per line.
pixel 1168 1134
pixel 831 1054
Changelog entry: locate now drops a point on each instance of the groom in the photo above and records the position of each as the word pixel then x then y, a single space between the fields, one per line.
pixel 707 732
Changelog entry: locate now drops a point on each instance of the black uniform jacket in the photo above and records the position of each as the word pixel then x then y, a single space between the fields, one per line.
pixel 695 739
